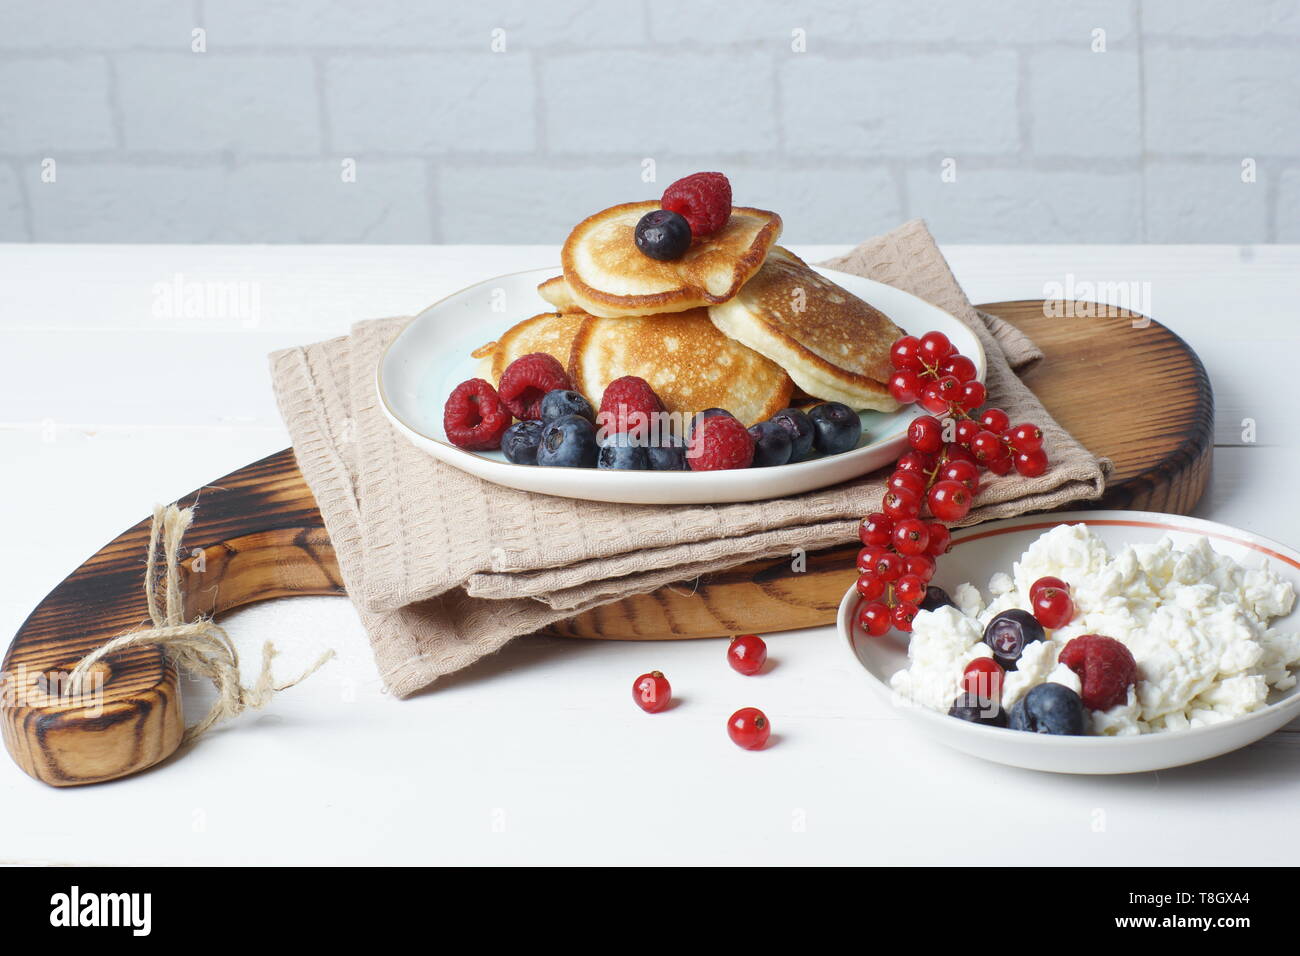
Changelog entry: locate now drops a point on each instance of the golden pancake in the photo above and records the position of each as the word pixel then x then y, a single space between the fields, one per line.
pixel 550 332
pixel 834 345
pixel 608 276
pixel 687 361
pixel 556 292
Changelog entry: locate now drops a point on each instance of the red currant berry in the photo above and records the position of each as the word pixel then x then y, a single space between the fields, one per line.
pixel 925 434
pixel 932 399
pixel 934 348
pixel 959 367
pixel 876 530
pixel 910 589
pixel 915 461
pixel 888 566
pixel 1000 466
pixel 901 616
pixel 1047 581
pixel 749 728
pixel 949 500
pixel 964 472
pixel 966 429
pixel 911 536
pixel 867 558
pixel 746 654
pixel 874 618
pixel 995 420
pixel 1031 464
pixel 912 481
pixel 900 503
pixel 940 538
pixel 983 678
pixel 870 586
pixel 906 354
pixel 905 385
pixel 986 446
pixel 1026 438
pixel 955 452
pixel 972 396
pixel 652 692
pixel 921 565
pixel 1053 608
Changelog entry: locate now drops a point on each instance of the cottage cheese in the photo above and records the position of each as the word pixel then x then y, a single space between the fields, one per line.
pixel 1195 621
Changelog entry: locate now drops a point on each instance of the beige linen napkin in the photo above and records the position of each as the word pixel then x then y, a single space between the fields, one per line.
pixel 445 568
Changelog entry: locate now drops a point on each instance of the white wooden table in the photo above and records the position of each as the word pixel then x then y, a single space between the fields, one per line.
pixel 109 403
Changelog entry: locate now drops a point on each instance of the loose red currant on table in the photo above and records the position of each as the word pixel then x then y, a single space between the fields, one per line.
pixel 983 678
pixel 949 500
pixel 874 618
pixel 911 536
pixel 870 586
pixel 900 503
pixel 747 653
pixel 749 728
pixel 876 530
pixel 652 692
pixel 925 434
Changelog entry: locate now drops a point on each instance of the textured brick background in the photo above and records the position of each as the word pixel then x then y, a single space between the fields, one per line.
pixel 453 142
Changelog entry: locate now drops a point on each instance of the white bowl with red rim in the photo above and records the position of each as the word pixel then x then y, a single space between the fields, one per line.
pixel 980 551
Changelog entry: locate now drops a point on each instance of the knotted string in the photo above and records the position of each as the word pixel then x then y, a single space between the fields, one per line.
pixel 199 646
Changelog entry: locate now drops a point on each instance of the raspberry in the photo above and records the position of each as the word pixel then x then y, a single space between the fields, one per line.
pixel 702 199
pixel 719 442
pixel 1105 666
pixel 474 417
pixel 628 405
pixel 526 381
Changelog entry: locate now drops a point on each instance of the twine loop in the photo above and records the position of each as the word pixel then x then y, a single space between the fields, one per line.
pixel 200 646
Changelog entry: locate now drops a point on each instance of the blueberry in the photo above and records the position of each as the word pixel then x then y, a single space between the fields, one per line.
pixel 569 441
pixel 800 427
pixel 836 428
pixel 520 442
pixel 978 710
pixel 620 453
pixel 1009 633
pixel 663 235
pixel 562 401
pixel 1049 709
pixel 668 455
pixel 772 444
pixel 935 598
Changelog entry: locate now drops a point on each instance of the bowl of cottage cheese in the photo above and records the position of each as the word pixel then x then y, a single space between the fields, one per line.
pixel 1207 612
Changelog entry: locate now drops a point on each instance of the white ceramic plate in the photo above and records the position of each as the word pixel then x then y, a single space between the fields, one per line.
pixel 432 356
pixel 980 551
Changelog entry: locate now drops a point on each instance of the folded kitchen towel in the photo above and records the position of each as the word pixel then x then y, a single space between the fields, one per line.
pixel 445 568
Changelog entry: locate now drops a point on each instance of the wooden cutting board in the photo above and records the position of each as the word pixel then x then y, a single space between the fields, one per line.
pixel 1135 394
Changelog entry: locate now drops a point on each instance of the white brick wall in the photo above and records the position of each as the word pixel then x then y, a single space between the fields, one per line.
pixel 839 114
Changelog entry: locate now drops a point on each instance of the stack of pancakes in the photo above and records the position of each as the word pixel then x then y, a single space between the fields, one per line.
pixel 737 322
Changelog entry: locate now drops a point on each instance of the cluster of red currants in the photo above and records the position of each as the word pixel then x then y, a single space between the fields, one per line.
pixel 940 472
